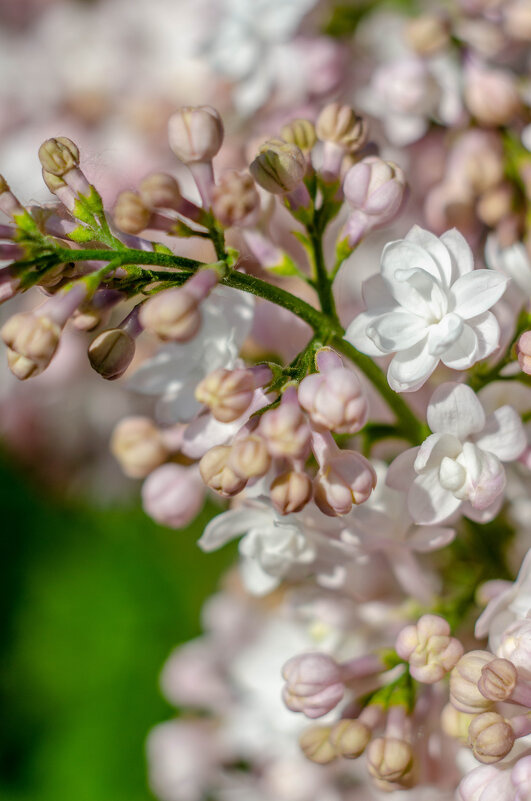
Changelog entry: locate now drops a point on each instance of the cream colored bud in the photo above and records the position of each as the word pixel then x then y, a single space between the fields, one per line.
pixel 291 491
pixel 58 156
pixel 389 759
pixel 53 182
pixel 234 198
pixel 21 366
pixel 227 393
pixel 195 133
pixel 32 336
pixel 301 133
pixel 495 204
pixel 279 166
pixel 464 678
pixel 491 737
pixel 130 214
pixel 249 457
pixel 216 473
pixel 111 353
pixel 498 680
pixel 455 723
pixel 342 126
pixel 160 191
pixel 427 34
pixel 173 315
pixel 316 745
pixel 137 444
pixel 349 738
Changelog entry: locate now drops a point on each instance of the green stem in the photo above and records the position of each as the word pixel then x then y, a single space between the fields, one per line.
pixel 130 256
pixel 323 283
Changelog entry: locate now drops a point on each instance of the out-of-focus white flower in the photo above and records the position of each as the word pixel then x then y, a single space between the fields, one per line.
pixel 176 369
pixel 459 467
pixel 512 261
pixel 506 608
pixel 428 305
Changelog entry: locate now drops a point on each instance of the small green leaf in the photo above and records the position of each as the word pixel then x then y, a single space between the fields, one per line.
pixel 286 267
pixel 81 235
pixel 158 247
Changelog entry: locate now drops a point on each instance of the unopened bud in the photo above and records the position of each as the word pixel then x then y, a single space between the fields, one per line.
pixel 300 133
pixel 195 133
pixel 427 34
pixel 375 190
pixel 495 204
pixel 173 495
pixel 111 353
pixel 490 736
pixel 498 680
pixel 523 350
pixel 335 400
pixel 286 431
pixel 130 214
pixel 160 191
pixel 342 126
pixel 137 444
pixel 279 166
pixel 234 198
pixel 290 492
pixel 249 457
pixel 58 156
pixel 21 366
pixel 350 738
pixel 314 684
pixel 227 393
pixel 347 479
pixel 464 678
pixel 33 337
pixel 217 474
pixel 491 94
pixel 174 315
pixel 389 759
pixel 315 745
pixel 429 648
pixel 455 723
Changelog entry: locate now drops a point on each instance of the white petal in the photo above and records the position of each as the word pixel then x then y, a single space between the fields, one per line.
pixel 430 538
pixel 228 525
pixel 436 249
pixel 464 351
pixel 503 435
pixel 411 368
pixel 401 471
pixel 356 334
pixel 482 515
pixel 429 502
pixel 404 255
pixel 397 330
pixel 459 249
pixel 434 449
pixel 476 292
pixel 255 579
pixel 376 294
pixel 487 331
pixel 455 409
pixel 442 335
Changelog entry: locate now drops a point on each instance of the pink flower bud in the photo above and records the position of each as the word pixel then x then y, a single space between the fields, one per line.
pixel 174 314
pixel 286 431
pixel 315 745
pixel 345 477
pixel 389 759
pixel 490 736
pixel 58 156
pixel 279 166
pixel 227 393
pixel 137 444
pixel 290 492
pixel 130 213
pixel 234 198
pixel 160 191
pixel 427 34
pixel 491 94
pixel 464 678
pixel 34 338
pixel 375 190
pixel 249 457
pixel 195 133
pixel 313 684
pixel 523 349
pixel 217 474
pixel 334 400
pixel 498 680
pixel 173 495
pixel 342 126
pixel 429 648
pixel 111 353
pixel 349 738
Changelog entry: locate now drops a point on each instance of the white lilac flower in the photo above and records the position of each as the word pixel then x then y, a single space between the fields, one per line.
pixel 176 369
pixel 510 606
pixel 428 305
pixel 459 468
pixel 512 261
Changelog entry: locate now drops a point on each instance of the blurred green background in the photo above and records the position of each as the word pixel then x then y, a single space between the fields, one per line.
pixel 92 601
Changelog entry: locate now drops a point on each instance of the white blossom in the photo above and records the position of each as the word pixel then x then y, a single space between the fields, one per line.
pixel 428 305
pixel 513 261
pixel 509 606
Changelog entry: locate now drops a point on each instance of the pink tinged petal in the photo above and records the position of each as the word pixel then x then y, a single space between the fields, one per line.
pixel 482 515
pixel 428 502
pixel 411 368
pixel 455 409
pixel 487 331
pixel 434 449
pixel 386 200
pixel 503 435
pixel 396 331
pixel 436 249
pixel 401 471
pixel 521 587
pixel 464 352
pixel 442 335
pixel 460 252
pixel 356 334
pixel 485 476
pixel 228 525
pixel 476 292
pixel 425 539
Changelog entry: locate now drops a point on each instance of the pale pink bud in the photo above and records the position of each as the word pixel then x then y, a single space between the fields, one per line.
pixel 349 738
pixel 160 190
pixel 217 474
pixel 455 723
pixel 523 350
pixel 517 20
pixel 33 337
pixel 290 492
pixel 8 202
pixel 301 133
pixel 389 759
pixel 521 779
pixel 515 645
pixel 429 648
pixel 490 736
pixel 174 315
pixel 491 94
pixel 314 684
pixel 279 166
pixel 137 444
pixel 464 678
pixel 498 680
pixel 316 746
pixel 335 400
pixel 130 213
pixel 286 431
pixel 375 190
pixel 427 34
pixel 249 457
pixel 173 495
pixel 345 477
pixel 59 155
pixel 227 393
pixel 234 198
pixel 341 125
pixel 111 353
pixel 195 133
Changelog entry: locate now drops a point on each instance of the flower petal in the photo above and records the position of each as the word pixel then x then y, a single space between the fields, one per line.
pixel 404 255
pixel 487 331
pixel 430 538
pixel 401 471
pixel 455 409
pixel 464 351
pixel 442 335
pixel 503 435
pixel 429 502
pixel 460 252
pixel 411 368
pixel 225 527
pixel 356 333
pixel 434 449
pixel 476 292
pixel 396 331
pixel 436 249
